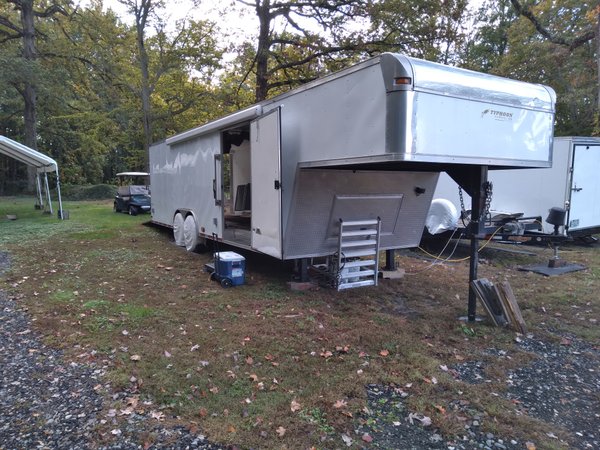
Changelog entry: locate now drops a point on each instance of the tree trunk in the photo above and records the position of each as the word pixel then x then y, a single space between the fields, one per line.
pixel 597 124
pixel 146 103
pixel 262 52
pixel 29 92
pixel 141 11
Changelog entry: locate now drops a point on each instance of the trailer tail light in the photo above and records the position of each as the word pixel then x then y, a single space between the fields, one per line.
pixel 402 81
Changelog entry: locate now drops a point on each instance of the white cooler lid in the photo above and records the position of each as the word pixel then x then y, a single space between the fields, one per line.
pixel 229 256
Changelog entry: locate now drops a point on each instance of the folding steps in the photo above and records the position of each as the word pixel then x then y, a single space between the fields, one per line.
pixel 356 263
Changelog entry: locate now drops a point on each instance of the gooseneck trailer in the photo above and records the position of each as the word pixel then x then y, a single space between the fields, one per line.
pixel 360 150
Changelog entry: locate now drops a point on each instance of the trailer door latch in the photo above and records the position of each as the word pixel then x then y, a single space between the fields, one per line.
pixel 277 184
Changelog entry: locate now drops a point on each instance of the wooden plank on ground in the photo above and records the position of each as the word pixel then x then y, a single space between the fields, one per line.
pixel 490 300
pixel 509 298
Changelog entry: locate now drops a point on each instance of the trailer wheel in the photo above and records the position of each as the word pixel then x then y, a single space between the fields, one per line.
pixel 226 283
pixel 178 230
pixel 190 233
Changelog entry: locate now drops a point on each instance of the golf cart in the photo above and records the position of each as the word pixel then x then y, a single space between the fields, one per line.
pixel 133 193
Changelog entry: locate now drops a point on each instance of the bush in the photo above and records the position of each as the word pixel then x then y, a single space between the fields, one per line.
pixel 88 192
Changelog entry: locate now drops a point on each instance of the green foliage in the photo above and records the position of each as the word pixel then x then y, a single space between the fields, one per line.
pixel 507 44
pixel 88 192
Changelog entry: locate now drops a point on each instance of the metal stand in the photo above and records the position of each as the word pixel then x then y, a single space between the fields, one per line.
pixel 390 260
pixel 474 180
pixel 476 231
pixel 303 269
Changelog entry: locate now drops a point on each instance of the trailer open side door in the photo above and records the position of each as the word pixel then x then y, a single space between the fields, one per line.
pixel 265 139
pixel 584 209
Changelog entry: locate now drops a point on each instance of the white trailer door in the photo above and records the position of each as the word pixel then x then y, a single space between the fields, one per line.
pixel 265 151
pixel 584 210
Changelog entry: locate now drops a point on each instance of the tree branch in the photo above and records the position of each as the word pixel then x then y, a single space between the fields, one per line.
pixel 555 39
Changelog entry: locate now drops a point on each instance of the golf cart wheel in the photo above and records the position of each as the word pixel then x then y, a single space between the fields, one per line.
pixel 226 283
pixel 116 208
pixel 133 210
pixel 213 276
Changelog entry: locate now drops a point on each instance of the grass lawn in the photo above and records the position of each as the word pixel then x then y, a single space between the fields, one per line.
pixel 261 366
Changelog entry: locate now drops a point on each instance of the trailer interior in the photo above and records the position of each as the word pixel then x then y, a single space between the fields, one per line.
pixel 237 193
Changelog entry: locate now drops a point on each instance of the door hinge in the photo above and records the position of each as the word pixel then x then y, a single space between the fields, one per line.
pixel 277 184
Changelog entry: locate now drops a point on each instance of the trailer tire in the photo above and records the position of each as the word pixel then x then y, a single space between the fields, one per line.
pixel 190 233
pixel 178 230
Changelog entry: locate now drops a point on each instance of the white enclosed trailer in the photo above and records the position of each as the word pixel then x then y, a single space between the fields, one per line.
pixel 571 183
pixel 362 144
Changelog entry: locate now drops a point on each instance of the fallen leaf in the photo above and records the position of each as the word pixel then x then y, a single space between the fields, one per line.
pixel 383 353
pixel 214 390
pixel 347 440
pixel 253 377
pixel 135 357
pixel 167 354
pixel 269 357
pixel 530 446
pixel 459 358
pixel 249 360
pixel 203 412
pixel 326 354
pixel 126 412
pixel 362 354
pixel 340 404
pixel 367 437
pixel 444 368
pixel 231 429
pixel 157 415
pixel 295 406
pixel 195 347
pixel 280 431
pixel 440 409
pixel 434 380
pixel 116 432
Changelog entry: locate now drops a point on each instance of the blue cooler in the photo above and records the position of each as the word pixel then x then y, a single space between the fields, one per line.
pixel 230 265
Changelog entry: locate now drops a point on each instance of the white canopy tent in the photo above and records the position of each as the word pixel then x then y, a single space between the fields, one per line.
pixel 43 165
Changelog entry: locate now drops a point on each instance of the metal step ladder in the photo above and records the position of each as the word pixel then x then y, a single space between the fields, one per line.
pixel 357 262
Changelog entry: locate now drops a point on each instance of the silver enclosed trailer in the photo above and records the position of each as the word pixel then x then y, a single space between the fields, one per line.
pixel 366 144
pixel 571 183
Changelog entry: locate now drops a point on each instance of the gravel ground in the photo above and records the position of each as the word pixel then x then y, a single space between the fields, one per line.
pixel 47 403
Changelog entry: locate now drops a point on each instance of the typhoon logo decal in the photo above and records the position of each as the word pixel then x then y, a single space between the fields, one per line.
pixel 502 116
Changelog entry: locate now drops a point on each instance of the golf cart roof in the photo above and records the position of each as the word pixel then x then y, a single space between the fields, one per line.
pixel 133 174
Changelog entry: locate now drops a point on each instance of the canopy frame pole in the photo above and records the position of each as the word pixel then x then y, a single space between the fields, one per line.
pixel 38 186
pixel 48 192
pixel 60 205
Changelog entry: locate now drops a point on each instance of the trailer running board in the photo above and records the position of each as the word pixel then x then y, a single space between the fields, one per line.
pixel 356 263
